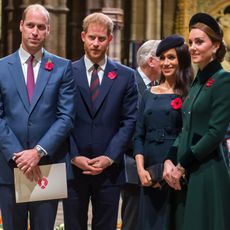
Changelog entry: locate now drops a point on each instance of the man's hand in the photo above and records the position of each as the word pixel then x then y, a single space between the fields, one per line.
pixel 26 160
pixel 100 162
pixel 34 174
pixel 83 163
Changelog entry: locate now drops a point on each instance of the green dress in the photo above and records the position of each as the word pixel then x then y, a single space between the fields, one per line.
pixel 204 204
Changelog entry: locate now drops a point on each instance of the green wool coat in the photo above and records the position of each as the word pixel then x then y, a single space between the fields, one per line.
pixel 204 204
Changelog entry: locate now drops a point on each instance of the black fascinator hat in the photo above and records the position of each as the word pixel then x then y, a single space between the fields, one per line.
pixel 169 42
pixel 207 20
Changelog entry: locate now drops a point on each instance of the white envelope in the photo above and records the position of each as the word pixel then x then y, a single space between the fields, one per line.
pixel 53 184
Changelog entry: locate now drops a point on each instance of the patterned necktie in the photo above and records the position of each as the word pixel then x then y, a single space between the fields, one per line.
pixel 152 83
pixel 30 77
pixel 94 84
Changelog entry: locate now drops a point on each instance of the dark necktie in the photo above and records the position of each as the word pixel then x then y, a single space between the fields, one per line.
pixel 30 78
pixel 152 83
pixel 94 84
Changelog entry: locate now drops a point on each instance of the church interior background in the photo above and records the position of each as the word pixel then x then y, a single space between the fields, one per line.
pixel 135 22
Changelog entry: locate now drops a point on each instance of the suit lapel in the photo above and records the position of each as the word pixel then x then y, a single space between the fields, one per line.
pixel 82 82
pixel 140 82
pixel 15 69
pixel 106 84
pixel 42 79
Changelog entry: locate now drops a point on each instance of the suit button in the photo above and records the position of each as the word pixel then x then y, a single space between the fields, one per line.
pixel 189 112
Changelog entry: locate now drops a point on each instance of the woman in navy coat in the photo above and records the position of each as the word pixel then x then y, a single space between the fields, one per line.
pixel 158 124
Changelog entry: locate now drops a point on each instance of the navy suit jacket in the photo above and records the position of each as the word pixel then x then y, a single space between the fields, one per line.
pixel 46 122
pixel 108 129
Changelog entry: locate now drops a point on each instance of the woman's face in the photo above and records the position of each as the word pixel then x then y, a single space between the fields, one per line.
pixel 169 63
pixel 201 48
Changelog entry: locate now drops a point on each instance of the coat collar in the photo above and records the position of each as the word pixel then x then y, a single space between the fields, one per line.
pixel 208 71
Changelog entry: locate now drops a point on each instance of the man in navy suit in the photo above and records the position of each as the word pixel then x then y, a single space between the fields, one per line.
pixel 104 124
pixel 147 74
pixel 34 124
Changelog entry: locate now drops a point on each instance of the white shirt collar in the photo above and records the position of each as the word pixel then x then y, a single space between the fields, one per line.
pixel 24 55
pixel 89 64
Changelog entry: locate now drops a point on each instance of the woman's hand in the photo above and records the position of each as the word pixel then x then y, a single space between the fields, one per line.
pixel 144 177
pixel 142 173
pixel 172 175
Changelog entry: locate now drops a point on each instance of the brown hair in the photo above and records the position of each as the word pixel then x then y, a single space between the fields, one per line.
pixel 214 38
pixel 98 18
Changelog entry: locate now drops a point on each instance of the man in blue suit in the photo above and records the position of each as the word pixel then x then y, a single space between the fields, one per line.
pixel 104 124
pixel 147 74
pixel 36 115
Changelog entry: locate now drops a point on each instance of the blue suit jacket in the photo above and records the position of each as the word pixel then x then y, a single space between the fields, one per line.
pixel 108 129
pixel 46 122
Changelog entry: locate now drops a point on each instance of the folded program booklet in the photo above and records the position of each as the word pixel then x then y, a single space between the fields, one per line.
pixel 52 185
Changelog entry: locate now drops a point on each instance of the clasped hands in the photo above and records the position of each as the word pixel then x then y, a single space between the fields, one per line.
pixel 172 175
pixel 27 162
pixel 93 166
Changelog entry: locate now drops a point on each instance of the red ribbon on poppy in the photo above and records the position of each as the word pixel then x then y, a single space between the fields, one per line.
pixel 176 103
pixel 43 182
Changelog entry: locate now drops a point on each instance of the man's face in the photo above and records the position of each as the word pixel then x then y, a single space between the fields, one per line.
pixel 34 29
pixel 96 42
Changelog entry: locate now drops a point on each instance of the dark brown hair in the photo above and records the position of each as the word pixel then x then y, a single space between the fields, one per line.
pixel 184 74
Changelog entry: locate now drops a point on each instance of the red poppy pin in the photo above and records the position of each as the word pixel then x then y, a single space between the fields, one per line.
pixel 43 182
pixel 49 65
pixel 112 75
pixel 210 82
pixel 176 103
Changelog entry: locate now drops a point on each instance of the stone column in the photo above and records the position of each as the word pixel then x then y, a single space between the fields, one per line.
pixel 56 41
pixel 12 37
pixel 116 15
pixel 153 19
pixel 138 20
pixel 75 47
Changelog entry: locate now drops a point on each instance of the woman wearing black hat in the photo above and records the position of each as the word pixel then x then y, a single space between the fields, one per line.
pixel 158 124
pixel 204 203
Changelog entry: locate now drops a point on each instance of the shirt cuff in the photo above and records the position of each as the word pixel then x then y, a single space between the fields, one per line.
pixel 110 160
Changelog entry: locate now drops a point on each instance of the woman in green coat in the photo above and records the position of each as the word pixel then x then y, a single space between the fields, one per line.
pixel 204 202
